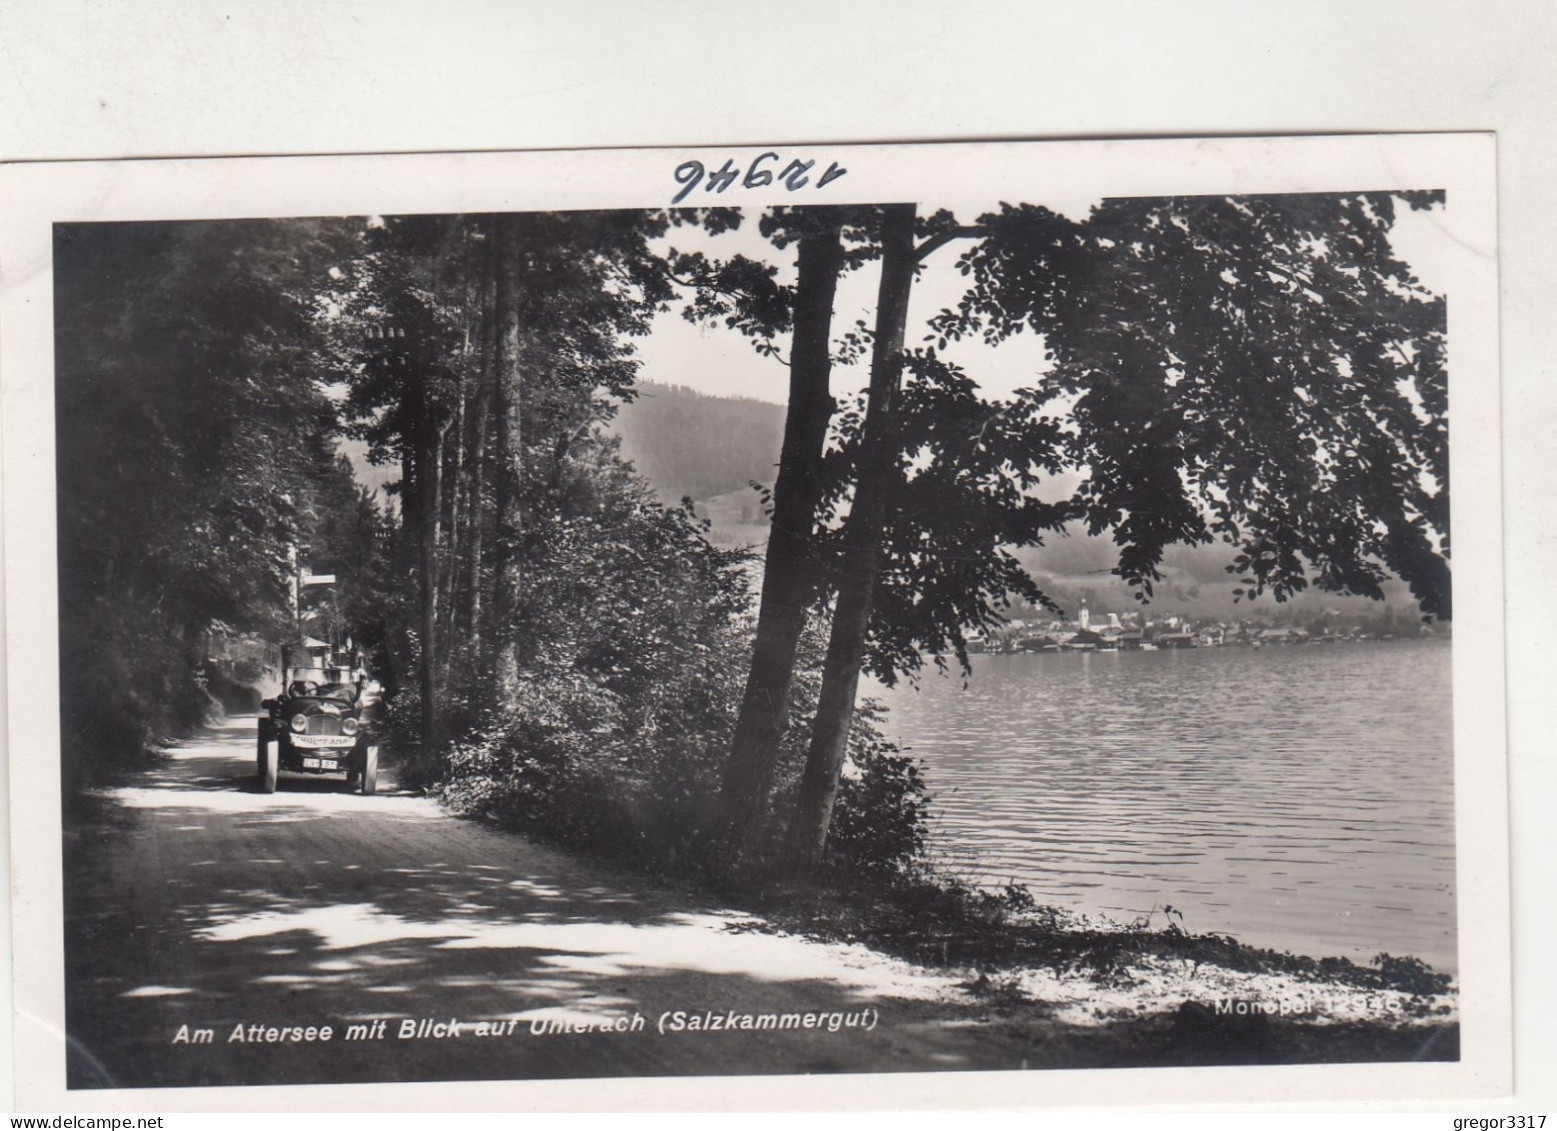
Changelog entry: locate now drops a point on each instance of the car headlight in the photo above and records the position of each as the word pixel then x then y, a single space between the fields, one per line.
pixel 349 725
pixel 300 722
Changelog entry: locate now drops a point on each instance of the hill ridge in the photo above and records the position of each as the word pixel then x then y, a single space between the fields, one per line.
pixel 692 444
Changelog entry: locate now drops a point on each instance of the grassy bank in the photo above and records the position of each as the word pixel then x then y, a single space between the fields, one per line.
pixel 1147 992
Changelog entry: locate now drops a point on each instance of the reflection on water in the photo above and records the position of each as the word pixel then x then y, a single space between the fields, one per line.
pixel 1296 797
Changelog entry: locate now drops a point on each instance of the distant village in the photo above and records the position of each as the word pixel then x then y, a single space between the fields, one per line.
pixel 1131 631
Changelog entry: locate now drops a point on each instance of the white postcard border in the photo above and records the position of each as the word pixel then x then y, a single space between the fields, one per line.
pixel 36 196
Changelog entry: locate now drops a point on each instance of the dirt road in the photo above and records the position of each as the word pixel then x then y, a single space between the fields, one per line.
pixel 202 914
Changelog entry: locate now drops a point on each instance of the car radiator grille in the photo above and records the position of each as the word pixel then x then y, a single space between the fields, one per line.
pixel 323 724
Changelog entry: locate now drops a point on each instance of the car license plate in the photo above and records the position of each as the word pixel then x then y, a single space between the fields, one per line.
pixel 318 741
pixel 316 764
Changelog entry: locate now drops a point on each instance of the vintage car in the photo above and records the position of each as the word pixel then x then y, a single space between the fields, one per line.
pixel 318 725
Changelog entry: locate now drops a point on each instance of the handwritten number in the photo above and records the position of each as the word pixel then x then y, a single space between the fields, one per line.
pixel 722 179
pixel 755 177
pixel 688 174
pixel 794 174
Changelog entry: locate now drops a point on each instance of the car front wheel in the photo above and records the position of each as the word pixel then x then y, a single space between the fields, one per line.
pixel 369 770
pixel 270 763
pixel 259 753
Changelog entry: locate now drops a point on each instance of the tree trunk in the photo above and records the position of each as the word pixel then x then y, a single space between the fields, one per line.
pixel 407 551
pixel 480 422
pixel 861 543
pixel 508 460
pixel 789 576
pixel 430 456
pixel 454 493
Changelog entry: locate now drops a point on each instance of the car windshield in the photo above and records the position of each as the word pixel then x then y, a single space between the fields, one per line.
pixel 322 683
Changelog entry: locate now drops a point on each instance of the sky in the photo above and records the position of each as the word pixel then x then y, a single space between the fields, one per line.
pixel 716 361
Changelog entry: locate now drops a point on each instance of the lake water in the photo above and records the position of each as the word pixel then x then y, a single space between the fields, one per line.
pixel 1295 797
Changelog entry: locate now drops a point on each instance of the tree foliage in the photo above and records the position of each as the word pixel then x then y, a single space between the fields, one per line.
pixel 968 492
pixel 193 453
pixel 1260 369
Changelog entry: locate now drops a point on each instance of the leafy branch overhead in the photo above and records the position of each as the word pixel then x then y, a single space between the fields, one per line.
pixel 1260 369
pixel 970 476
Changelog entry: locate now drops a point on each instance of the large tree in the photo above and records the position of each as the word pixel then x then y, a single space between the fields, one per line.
pixel 834 512
pixel 405 324
pixel 860 548
pixel 477 348
pixel 790 577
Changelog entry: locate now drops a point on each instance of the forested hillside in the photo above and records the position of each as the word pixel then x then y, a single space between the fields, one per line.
pixel 688 444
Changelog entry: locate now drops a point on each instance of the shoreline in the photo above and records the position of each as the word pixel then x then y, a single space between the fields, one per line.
pixel 1088 991
pixel 1151 997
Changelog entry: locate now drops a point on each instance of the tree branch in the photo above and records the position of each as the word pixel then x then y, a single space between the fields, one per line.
pixel 704 282
pixel 941 239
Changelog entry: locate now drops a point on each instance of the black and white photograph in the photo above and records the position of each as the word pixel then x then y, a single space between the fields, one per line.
pixel 966 610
